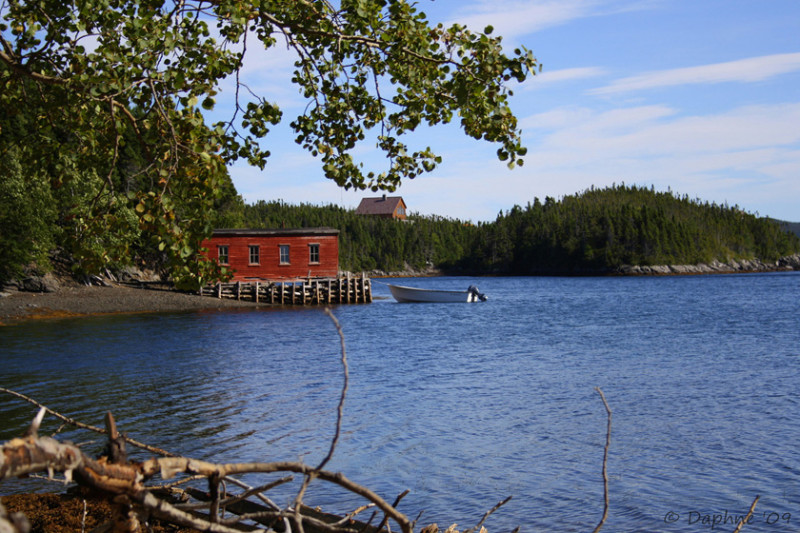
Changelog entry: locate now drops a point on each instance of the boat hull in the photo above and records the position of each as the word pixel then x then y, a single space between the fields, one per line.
pixel 412 294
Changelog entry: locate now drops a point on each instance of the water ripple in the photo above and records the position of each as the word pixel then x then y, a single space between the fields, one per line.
pixel 464 405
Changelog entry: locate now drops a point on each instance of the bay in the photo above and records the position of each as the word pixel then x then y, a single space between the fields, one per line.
pixel 467 404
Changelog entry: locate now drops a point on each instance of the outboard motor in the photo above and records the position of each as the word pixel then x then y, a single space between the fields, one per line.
pixel 476 295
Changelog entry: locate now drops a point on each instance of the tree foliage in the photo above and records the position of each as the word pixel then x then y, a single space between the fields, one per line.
pixel 603 229
pixel 25 211
pixel 594 232
pixel 112 95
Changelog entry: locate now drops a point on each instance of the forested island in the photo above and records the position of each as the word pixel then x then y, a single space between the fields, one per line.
pixel 593 232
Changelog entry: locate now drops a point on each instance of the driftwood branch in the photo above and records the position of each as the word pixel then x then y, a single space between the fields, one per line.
pixel 81 425
pixel 479 525
pixel 605 461
pixel 44 454
pixel 395 504
pixel 340 408
pixel 124 482
pixel 747 518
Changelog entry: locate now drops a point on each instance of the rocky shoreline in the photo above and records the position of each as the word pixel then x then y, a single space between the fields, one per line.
pixel 785 264
pixel 51 297
pixel 81 300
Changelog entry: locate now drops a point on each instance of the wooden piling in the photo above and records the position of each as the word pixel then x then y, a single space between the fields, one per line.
pixel 346 289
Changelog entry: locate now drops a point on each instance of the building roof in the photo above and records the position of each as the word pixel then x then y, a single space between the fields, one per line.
pixel 382 205
pixel 250 232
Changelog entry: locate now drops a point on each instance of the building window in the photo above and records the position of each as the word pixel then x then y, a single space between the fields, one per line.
pixel 284 249
pixel 254 256
pixel 401 211
pixel 313 253
pixel 222 254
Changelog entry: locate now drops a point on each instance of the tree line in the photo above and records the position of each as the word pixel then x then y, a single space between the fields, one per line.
pixel 596 231
pixel 602 229
pixel 367 243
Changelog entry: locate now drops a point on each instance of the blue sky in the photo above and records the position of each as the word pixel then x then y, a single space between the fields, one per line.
pixel 700 97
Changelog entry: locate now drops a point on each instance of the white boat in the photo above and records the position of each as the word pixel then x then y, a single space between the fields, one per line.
pixel 413 294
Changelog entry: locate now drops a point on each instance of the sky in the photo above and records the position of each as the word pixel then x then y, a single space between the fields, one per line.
pixel 698 97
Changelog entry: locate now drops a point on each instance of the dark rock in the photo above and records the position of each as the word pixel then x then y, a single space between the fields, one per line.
pixel 46 283
pixel 791 262
pixel 131 273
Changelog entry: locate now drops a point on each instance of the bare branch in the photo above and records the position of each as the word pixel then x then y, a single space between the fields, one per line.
pixel 487 514
pixel 7 57
pixel 749 515
pixel 33 430
pixel 289 29
pixel 395 504
pixel 352 514
pixel 340 409
pixel 25 456
pixel 81 425
pixel 605 462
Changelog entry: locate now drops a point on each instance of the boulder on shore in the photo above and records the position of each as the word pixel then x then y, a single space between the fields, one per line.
pixel 46 283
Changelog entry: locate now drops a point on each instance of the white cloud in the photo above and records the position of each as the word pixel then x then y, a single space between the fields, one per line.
pixel 564 75
pixel 637 132
pixel 580 122
pixel 747 156
pixel 513 18
pixel 744 70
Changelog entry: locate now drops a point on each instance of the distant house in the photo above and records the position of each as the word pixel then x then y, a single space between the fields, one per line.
pixel 384 206
pixel 274 254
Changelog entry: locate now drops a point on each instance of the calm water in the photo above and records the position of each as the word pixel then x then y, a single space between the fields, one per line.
pixel 467 404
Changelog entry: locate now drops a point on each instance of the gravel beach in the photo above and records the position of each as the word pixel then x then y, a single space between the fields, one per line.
pixel 81 300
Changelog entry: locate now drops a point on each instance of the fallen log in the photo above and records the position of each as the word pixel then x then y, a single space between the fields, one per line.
pixel 124 482
pixel 270 518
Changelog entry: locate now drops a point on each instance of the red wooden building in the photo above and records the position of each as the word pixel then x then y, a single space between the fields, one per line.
pixel 275 254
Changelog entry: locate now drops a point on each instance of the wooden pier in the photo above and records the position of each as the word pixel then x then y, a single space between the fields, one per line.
pixel 311 291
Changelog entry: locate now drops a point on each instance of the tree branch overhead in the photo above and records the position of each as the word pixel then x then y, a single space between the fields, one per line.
pixel 125 90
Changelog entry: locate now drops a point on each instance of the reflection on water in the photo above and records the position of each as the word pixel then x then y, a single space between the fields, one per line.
pixel 465 404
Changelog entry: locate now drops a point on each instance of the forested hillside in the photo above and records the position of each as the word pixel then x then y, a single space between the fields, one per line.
pixel 602 229
pixel 793 227
pixel 596 231
pixel 371 243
